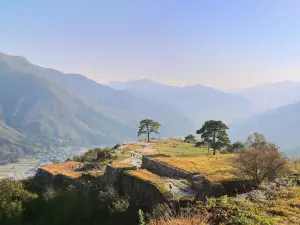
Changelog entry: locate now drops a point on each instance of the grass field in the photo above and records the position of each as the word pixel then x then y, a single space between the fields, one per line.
pixel 217 168
pixel 62 168
pixel 117 164
pixel 178 149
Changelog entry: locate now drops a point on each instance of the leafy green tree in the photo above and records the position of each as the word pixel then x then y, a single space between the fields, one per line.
pixel 12 198
pixel 147 127
pixel 215 133
pixel 190 139
pixel 236 147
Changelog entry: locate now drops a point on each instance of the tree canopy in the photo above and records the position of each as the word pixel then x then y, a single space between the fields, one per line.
pixel 13 195
pixel 147 127
pixel 190 139
pixel 215 133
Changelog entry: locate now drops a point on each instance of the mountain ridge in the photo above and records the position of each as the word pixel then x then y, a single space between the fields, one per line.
pixel 210 101
pixel 85 110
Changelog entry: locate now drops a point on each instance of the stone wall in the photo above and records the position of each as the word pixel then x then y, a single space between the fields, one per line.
pixel 113 174
pixel 199 182
pixel 44 178
pixel 164 170
pixel 141 193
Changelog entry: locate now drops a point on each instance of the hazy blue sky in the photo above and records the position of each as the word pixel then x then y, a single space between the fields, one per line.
pixel 224 44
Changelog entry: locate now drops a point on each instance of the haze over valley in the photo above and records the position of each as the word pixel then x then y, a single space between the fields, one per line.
pixel 80 75
pixel 48 109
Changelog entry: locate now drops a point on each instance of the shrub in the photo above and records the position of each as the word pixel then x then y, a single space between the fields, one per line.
pixel 119 205
pixel 95 155
pixel 49 193
pixel 225 210
pixel 190 139
pixel 162 211
pixel 116 146
pixel 111 198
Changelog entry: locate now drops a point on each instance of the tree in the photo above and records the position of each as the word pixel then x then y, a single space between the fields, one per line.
pixel 236 147
pixel 215 133
pixel 147 127
pixel 190 139
pixel 262 161
pixel 12 198
pixel 256 140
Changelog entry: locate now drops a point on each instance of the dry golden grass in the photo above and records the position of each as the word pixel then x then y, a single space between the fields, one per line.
pixel 183 220
pixel 96 173
pixel 295 165
pixel 283 208
pixel 133 147
pixel 121 164
pixel 151 178
pixel 62 168
pixel 217 168
pixel 178 149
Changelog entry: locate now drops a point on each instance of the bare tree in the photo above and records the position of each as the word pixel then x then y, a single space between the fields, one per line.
pixel 262 162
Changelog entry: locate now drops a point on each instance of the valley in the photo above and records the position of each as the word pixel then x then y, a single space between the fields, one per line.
pixel 69 110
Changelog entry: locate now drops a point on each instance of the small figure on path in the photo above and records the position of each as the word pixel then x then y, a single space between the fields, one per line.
pixel 170 186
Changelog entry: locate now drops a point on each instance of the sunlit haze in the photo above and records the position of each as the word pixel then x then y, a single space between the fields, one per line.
pixel 223 44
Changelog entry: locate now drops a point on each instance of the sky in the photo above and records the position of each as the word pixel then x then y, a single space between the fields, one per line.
pixel 222 44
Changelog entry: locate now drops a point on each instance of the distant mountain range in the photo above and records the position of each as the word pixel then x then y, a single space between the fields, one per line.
pixel 41 107
pixel 272 109
pixel 272 95
pixel 280 125
pixel 48 107
pixel 198 102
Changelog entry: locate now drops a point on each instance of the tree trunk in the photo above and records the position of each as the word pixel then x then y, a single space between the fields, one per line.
pixel 214 151
pixel 214 142
pixel 148 136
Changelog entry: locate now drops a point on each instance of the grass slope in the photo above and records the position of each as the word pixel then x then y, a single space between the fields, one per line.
pixel 217 168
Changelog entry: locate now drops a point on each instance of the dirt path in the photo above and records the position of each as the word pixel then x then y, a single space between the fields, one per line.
pixel 180 188
pixel 136 158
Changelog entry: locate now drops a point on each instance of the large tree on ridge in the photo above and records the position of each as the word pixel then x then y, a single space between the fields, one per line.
pixel 147 127
pixel 215 132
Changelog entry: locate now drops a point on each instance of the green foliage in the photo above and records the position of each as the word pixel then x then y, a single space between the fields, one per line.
pixel 119 205
pixel 95 155
pixel 148 127
pixel 141 217
pixel 214 133
pixel 116 146
pixel 77 206
pixel 12 198
pixel 190 139
pixel 235 147
pixel 227 210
